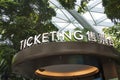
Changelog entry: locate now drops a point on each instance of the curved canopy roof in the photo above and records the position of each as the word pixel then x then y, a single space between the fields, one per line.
pixel 94 17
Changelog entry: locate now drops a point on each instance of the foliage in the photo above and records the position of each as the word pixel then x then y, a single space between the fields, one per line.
pixel 6 54
pixel 20 19
pixel 70 4
pixel 112 9
pixel 114 33
pixel 24 19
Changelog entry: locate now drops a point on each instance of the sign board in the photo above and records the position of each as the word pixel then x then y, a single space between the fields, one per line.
pixel 55 36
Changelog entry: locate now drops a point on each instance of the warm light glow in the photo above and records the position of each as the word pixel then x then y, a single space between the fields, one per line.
pixel 90 70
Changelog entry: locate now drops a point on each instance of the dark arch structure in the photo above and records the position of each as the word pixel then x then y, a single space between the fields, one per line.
pixel 66 60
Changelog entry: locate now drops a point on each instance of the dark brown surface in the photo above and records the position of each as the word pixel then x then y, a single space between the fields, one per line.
pixel 30 59
pixel 109 68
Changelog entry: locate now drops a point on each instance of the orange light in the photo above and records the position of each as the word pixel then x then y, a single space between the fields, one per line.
pixel 86 71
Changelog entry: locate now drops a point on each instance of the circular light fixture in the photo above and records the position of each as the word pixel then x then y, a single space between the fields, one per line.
pixel 66 70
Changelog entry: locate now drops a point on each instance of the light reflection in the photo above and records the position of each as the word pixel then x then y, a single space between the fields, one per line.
pixel 84 72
